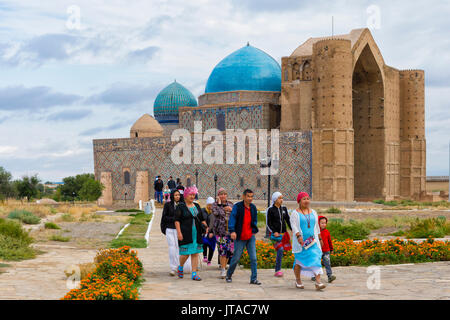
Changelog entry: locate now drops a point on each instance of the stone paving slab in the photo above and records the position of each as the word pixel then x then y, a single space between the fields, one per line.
pixel 41 278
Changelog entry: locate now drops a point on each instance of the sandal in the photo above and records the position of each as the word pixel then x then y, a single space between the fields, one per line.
pixel 299 286
pixel 195 277
pixel 180 272
pixel 320 286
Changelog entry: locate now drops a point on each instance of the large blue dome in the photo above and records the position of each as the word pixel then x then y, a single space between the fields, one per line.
pixel 169 100
pixel 248 68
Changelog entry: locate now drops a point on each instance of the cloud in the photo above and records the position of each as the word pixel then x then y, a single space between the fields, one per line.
pixel 142 56
pixel 33 99
pixel 120 94
pixel 69 115
pixel 154 26
pixel 114 126
pixel 7 150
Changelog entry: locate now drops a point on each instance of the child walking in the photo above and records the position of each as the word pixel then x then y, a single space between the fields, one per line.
pixel 327 247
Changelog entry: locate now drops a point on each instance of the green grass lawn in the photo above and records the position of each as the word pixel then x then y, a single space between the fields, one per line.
pixel 134 234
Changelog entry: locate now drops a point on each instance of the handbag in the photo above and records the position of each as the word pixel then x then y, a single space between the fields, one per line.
pixel 277 239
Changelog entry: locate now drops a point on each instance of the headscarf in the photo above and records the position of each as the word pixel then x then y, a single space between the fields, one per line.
pixel 210 200
pixel 189 190
pixel 301 195
pixel 220 191
pixel 275 197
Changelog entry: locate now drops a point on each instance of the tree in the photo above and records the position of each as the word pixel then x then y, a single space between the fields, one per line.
pixel 91 190
pixel 6 186
pixel 28 187
pixel 72 185
pixel 81 187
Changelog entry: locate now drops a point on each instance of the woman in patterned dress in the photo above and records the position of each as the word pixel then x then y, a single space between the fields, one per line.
pixel 225 246
pixel 306 244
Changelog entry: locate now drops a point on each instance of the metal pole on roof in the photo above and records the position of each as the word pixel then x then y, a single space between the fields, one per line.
pixel 332 26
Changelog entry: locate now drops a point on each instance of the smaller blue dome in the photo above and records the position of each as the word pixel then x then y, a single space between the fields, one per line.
pixel 167 102
pixel 248 68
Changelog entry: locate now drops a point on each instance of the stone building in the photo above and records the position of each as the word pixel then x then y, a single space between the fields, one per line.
pixel 351 127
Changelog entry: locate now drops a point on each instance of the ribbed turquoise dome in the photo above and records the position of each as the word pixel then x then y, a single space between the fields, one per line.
pixel 248 68
pixel 169 100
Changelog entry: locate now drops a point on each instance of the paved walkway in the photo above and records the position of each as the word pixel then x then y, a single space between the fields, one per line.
pixel 412 281
pixel 43 278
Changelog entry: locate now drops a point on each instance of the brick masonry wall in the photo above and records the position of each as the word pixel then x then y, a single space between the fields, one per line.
pixel 153 155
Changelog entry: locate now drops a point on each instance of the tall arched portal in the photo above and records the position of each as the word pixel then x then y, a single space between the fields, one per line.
pixel 369 129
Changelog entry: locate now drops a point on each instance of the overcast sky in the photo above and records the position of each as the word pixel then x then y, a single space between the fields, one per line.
pixel 65 81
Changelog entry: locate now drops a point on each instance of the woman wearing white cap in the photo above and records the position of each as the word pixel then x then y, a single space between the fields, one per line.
pixel 277 218
pixel 209 241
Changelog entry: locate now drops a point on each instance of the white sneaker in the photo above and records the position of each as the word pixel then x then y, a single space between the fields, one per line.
pixel 223 273
pixel 173 273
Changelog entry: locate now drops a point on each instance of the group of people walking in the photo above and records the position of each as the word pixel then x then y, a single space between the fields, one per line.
pixel 191 230
pixel 162 193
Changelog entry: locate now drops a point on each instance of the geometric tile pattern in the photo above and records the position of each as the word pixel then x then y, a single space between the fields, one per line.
pixel 154 155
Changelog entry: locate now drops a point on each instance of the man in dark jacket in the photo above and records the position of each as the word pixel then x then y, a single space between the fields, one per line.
pixel 243 226
pixel 159 185
pixel 171 184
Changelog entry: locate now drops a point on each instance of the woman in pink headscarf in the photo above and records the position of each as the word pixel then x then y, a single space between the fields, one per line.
pixel 306 245
pixel 189 222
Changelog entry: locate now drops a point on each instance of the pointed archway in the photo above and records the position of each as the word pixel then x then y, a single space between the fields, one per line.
pixel 368 124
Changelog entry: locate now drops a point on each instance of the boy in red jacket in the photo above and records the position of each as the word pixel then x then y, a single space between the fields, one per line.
pixel 327 247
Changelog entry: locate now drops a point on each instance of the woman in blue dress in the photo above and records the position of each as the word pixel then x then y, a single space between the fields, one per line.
pixel 306 244
pixel 188 222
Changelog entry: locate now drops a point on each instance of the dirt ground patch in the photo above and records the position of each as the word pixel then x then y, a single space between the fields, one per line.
pixel 88 235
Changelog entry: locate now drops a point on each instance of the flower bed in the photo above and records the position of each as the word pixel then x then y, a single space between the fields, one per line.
pixel 117 277
pixel 367 252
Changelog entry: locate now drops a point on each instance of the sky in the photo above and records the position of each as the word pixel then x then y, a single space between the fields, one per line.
pixel 74 71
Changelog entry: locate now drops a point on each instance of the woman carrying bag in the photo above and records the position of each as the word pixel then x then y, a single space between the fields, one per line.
pixel 277 218
pixel 190 226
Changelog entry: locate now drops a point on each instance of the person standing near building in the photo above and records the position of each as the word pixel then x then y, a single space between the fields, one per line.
pixel 171 184
pixel 306 245
pixel 242 226
pixel 221 210
pixel 159 185
pixel 168 228
pixel 188 222
pixel 180 186
pixel 277 219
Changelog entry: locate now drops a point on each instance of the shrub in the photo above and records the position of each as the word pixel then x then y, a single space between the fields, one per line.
pixel 430 227
pixel 58 237
pixel 24 216
pixel 67 217
pixel 51 225
pixel 14 241
pixel 117 277
pixel 95 287
pixel 352 230
pixel 367 252
pixel 333 210
pixel 125 263
pixel 398 233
